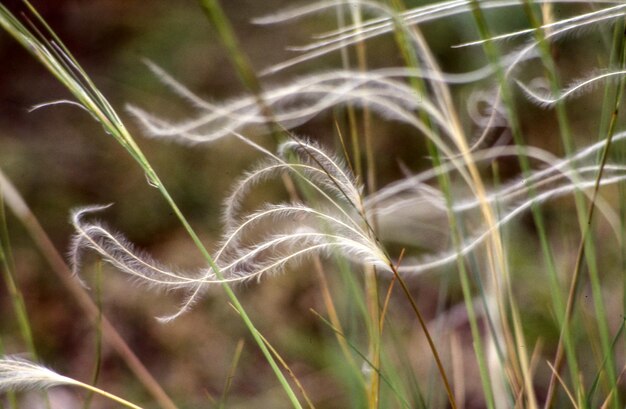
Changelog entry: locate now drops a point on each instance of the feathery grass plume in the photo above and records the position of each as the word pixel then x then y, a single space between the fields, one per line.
pixel 384 24
pixel 18 374
pixel 117 250
pixel 297 102
pixel 405 206
pixel 298 232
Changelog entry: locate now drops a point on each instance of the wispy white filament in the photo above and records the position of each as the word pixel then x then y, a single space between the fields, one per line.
pixel 299 231
pixel 574 89
pixel 346 36
pixel 18 374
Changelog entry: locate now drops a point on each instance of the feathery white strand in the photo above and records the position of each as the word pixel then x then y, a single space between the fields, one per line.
pixel 495 115
pixel 57 102
pixel 334 168
pixel 554 165
pixel 320 180
pixel 350 35
pixel 431 262
pixel 290 212
pixel 116 250
pixel 375 90
pixel 296 243
pixel 529 49
pixel 317 231
pixel 20 374
pixel 296 103
pixel 418 203
pixel 356 33
pixel 569 23
pixel 578 87
pixel 314 8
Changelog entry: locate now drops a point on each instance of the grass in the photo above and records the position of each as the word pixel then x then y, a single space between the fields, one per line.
pixel 482 270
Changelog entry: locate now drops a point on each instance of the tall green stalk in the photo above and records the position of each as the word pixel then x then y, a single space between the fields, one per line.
pixel 538 218
pixel 568 143
pixel 403 41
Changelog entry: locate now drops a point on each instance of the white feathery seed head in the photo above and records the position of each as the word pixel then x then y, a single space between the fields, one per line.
pixel 17 374
pixel 249 249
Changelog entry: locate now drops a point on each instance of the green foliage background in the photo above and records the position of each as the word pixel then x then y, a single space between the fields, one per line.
pixel 59 159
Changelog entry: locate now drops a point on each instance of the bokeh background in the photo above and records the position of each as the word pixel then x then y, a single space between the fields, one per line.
pixel 59 159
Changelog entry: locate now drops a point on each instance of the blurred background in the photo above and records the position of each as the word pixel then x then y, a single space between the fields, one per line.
pixel 60 159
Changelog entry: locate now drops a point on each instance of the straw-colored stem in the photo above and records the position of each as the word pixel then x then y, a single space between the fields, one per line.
pixel 575 282
pixel 106 394
pixel 431 343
